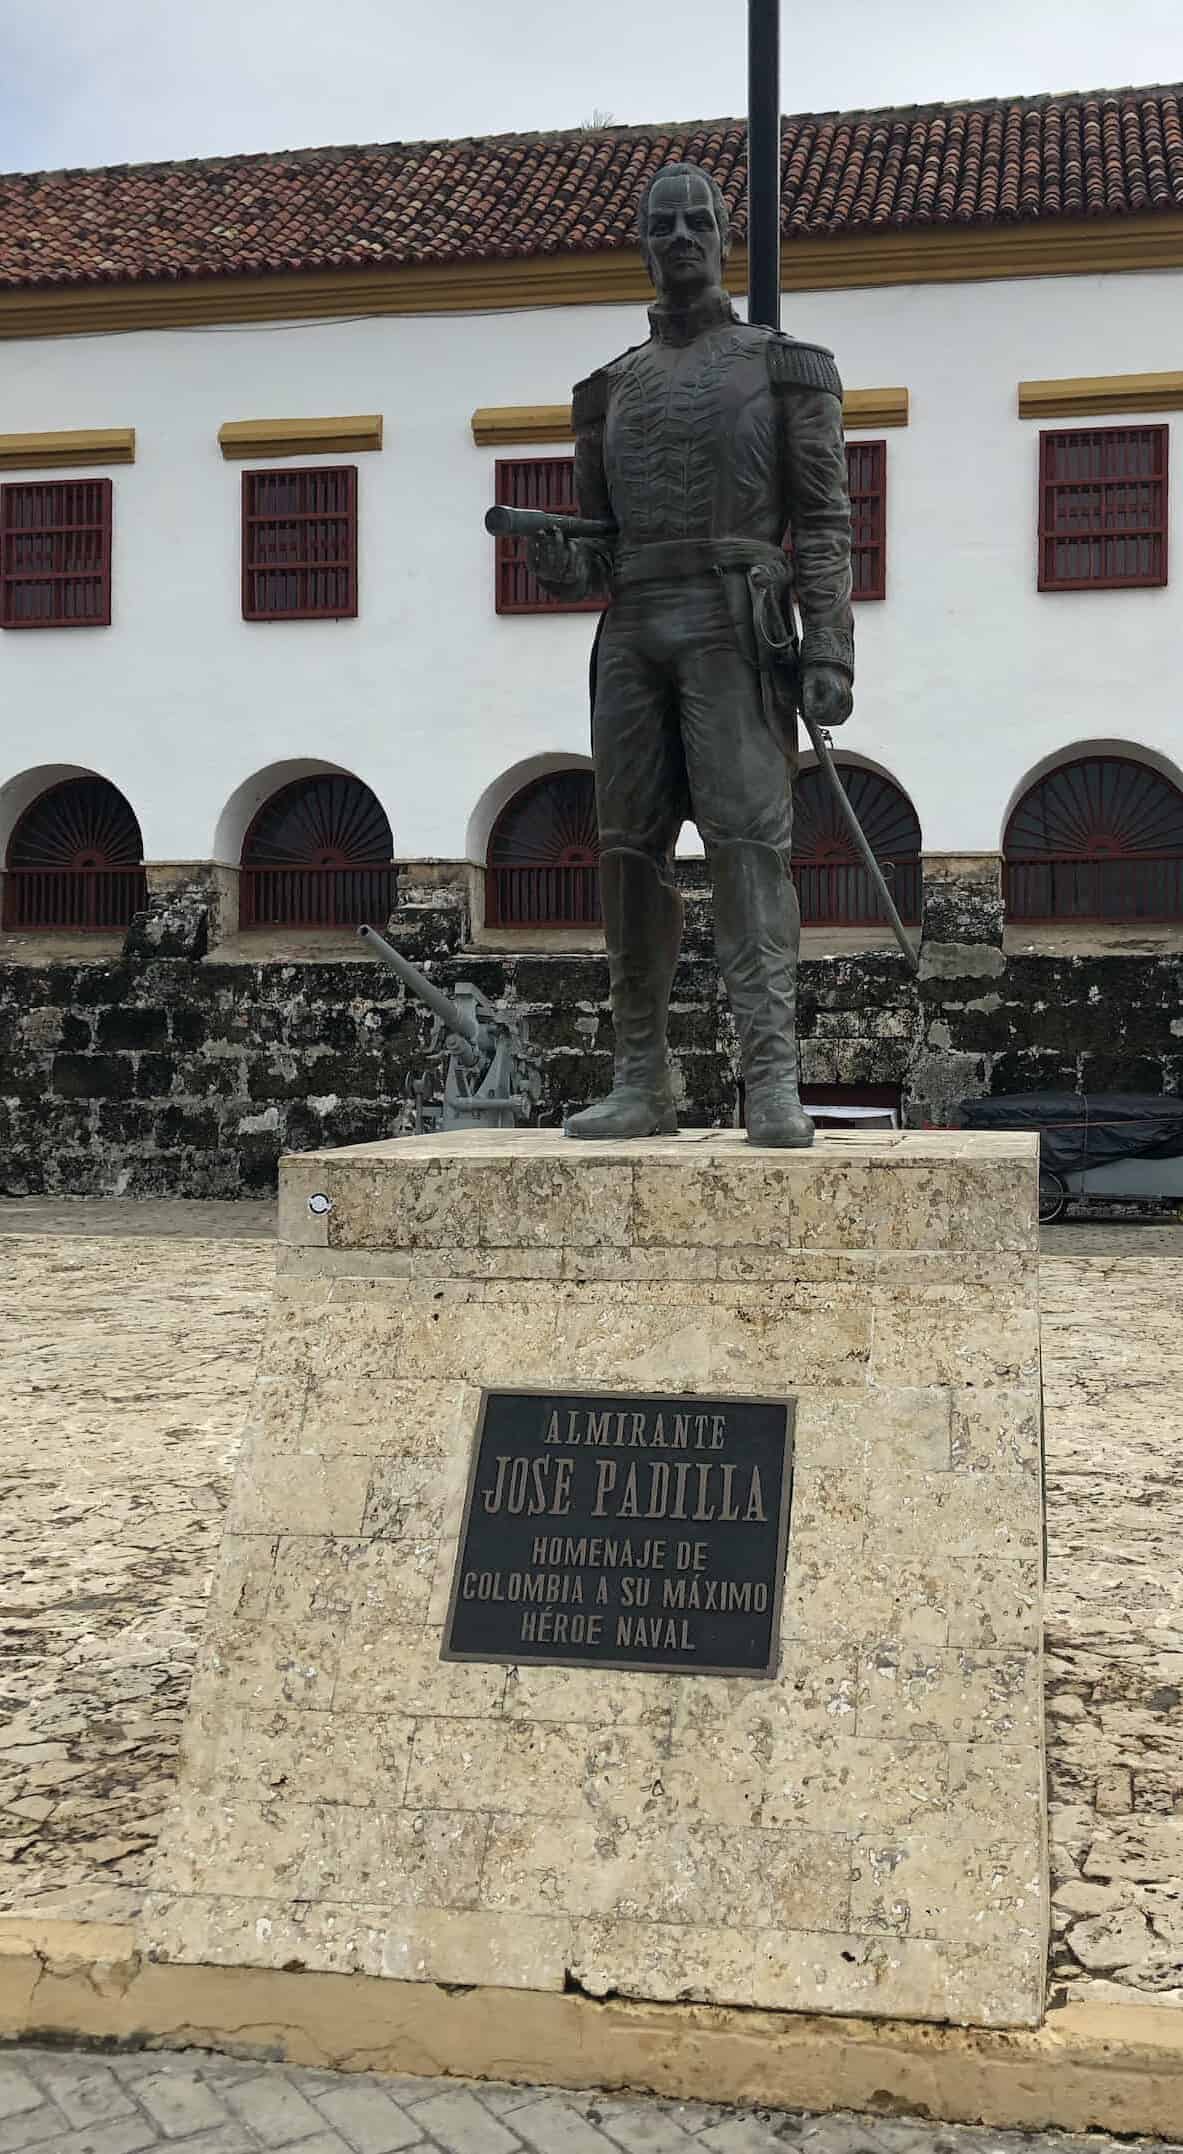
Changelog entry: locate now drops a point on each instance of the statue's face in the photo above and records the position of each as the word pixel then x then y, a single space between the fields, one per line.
pixel 682 241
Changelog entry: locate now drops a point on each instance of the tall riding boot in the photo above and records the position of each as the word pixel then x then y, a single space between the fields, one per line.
pixel 757 932
pixel 643 931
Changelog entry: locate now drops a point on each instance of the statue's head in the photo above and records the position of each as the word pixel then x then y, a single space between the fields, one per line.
pixel 682 228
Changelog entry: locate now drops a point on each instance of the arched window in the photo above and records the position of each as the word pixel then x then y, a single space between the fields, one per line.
pixel 833 886
pixel 544 852
pixel 1100 838
pixel 75 860
pixel 318 854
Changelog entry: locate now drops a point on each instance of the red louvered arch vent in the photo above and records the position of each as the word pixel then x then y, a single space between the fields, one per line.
pixel 544 852
pixel 318 854
pixel 75 860
pixel 1100 838
pixel 833 886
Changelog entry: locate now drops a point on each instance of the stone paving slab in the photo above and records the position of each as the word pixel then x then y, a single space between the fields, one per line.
pixel 151 2102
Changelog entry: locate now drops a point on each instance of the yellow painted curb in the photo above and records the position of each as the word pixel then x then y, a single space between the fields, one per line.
pixel 1090 2067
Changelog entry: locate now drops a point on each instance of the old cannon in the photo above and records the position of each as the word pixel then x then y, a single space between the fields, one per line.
pixel 481 1071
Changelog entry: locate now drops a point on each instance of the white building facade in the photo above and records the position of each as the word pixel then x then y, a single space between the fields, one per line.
pixel 195 361
pixel 969 676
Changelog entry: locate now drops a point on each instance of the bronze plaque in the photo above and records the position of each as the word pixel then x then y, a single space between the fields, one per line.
pixel 607 1530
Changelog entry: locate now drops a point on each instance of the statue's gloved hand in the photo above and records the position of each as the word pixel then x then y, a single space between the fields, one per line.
pixel 555 561
pixel 827 697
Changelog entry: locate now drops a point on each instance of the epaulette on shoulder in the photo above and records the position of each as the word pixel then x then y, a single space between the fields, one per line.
pixel 802 366
pixel 589 398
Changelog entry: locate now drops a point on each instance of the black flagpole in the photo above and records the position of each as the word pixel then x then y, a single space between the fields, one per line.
pixel 764 307
pixel 764 162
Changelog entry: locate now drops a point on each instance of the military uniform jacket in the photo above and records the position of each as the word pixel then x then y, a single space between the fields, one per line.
pixel 716 429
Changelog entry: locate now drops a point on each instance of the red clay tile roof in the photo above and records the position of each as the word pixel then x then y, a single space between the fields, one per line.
pixel 1111 153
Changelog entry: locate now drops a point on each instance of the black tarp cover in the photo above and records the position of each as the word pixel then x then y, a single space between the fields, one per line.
pixel 1079 1130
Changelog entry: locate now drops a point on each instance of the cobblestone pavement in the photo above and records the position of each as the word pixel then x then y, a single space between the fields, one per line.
pixel 156 1216
pixel 78 2102
pixel 1113 1392
pixel 126 1362
pixel 1117 1236
pixel 1122 1233
pixel 124 1370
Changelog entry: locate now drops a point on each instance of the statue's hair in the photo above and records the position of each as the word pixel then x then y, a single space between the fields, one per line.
pixel 669 172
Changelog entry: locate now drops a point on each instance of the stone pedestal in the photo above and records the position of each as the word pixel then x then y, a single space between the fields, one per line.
pixel 864 1832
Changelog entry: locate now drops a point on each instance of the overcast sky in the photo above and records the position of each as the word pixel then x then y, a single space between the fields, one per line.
pixel 87 82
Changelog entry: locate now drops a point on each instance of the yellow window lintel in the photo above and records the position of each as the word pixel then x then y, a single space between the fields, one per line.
pixel 1082 396
pixel 81 446
pixel 241 438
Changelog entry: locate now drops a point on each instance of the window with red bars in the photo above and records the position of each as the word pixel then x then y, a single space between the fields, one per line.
pixel 533 482
pixel 866 478
pixel 1103 508
pixel 866 473
pixel 299 544
pixel 55 554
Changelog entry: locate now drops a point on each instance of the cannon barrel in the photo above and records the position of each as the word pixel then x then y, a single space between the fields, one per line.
pixel 502 522
pixel 456 1020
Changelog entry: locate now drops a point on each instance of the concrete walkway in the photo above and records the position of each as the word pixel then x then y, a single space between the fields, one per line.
pixel 77 2102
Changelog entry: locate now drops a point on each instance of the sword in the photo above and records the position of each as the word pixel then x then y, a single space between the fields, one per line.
pixel 765 599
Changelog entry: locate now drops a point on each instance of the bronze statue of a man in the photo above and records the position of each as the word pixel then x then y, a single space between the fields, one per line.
pixel 702 446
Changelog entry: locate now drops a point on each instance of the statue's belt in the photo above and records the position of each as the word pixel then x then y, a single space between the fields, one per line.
pixel 669 560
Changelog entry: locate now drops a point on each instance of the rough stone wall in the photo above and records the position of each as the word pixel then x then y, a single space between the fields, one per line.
pixel 168 1071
